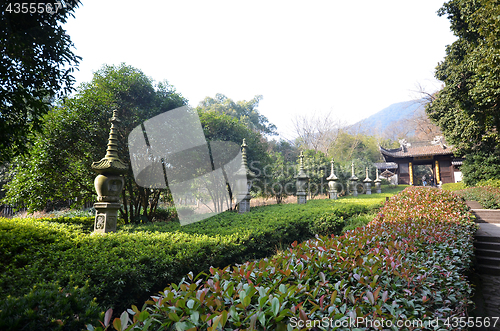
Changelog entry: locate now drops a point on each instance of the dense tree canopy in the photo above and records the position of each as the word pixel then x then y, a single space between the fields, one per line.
pixel 75 133
pixel 468 107
pixel 245 111
pixel 36 65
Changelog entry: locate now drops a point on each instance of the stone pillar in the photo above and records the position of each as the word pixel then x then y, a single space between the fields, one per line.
pixel 354 181
pixel 410 166
pixel 378 183
pixel 368 183
pixel 109 183
pixel 438 175
pixel 332 183
pixel 301 182
pixel 244 193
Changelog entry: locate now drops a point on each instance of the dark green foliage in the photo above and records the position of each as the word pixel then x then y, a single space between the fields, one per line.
pixel 222 127
pixel 393 269
pixel 481 166
pixel 245 112
pixel 467 109
pixel 36 65
pixel 75 134
pixel 487 196
pixel 123 268
pixel 49 307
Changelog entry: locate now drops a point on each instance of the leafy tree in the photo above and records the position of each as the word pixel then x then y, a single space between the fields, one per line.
pixel 488 169
pixel 348 147
pixel 36 65
pixel 289 151
pixel 245 111
pixel 277 178
pixel 317 167
pixel 75 134
pixel 222 127
pixel 468 107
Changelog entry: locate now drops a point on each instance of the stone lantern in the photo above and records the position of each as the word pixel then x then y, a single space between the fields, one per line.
pixel 368 183
pixel 332 183
pixel 302 179
pixel 354 181
pixel 378 182
pixel 244 193
pixel 109 183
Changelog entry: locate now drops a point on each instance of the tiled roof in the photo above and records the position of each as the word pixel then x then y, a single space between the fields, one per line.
pixel 386 165
pixel 413 151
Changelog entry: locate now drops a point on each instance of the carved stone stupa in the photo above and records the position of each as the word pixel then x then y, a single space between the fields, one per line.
pixel 302 179
pixel 244 196
pixel 109 183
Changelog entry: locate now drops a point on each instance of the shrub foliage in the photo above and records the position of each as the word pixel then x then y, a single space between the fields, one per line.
pixel 407 264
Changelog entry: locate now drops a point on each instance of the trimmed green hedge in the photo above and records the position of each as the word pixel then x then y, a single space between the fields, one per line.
pixel 407 265
pixel 487 196
pixel 122 268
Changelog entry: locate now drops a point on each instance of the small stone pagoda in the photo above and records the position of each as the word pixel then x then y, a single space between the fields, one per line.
pixel 367 183
pixel 302 179
pixel 244 196
pixel 109 183
pixel 332 183
pixel 354 181
pixel 378 184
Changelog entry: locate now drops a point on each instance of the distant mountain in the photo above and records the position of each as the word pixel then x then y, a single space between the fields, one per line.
pixel 380 121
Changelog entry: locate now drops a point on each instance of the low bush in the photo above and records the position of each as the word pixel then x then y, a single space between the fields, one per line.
pixel 487 196
pixel 453 186
pixel 397 268
pixel 489 182
pixel 123 268
pixel 49 307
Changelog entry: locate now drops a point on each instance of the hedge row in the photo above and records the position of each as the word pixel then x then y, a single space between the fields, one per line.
pixel 406 266
pixel 47 258
pixel 487 196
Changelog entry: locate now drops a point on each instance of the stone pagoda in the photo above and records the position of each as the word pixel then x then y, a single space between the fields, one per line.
pixel 302 179
pixel 109 183
pixel 367 183
pixel 378 183
pixel 354 181
pixel 332 183
pixel 244 194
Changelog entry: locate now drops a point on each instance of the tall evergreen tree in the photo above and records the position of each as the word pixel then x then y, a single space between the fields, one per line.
pixel 36 65
pixel 468 107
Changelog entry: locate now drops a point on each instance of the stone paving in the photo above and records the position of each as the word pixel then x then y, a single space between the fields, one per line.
pixel 487 296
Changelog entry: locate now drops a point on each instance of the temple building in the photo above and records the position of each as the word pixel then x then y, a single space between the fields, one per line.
pixel 422 163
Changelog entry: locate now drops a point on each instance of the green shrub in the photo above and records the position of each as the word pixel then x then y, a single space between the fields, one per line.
pixel 122 268
pixel 165 214
pixel 49 307
pixel 357 221
pixel 393 269
pixel 489 182
pixel 487 196
pixel 453 186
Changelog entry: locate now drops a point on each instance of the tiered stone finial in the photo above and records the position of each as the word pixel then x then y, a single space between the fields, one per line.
pixel 354 181
pixel 109 183
pixel 332 183
pixel 244 194
pixel 301 182
pixel 111 163
pixel 368 183
pixel 378 182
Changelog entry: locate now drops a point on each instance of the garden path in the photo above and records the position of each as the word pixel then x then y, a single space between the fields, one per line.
pixel 487 273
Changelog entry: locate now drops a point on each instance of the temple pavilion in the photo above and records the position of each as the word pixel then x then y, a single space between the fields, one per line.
pixel 437 157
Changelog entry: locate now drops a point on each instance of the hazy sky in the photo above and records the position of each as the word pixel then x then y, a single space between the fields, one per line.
pixel 352 58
